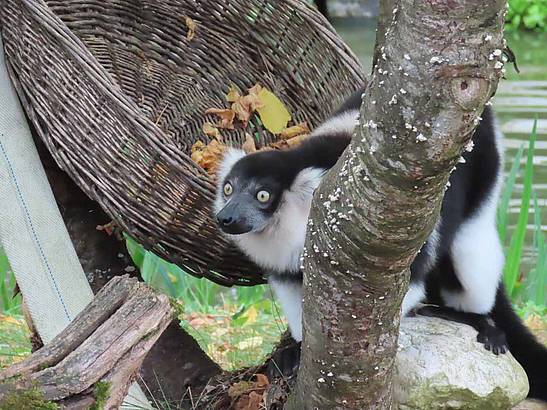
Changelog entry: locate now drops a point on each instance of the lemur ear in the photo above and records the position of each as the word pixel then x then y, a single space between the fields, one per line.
pixel 229 159
pixel 307 181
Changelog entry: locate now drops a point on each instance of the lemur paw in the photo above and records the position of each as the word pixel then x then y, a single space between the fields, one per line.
pixel 493 339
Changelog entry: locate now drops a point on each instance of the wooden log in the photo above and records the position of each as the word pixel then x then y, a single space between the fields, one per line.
pixel 103 347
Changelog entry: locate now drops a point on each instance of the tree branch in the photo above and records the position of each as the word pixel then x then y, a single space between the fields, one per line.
pixel 377 206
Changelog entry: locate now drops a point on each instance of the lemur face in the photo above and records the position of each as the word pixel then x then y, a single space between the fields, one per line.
pixel 249 192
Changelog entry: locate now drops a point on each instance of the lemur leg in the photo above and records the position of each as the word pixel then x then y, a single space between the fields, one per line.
pixel 477 258
pixel 490 335
pixel 288 290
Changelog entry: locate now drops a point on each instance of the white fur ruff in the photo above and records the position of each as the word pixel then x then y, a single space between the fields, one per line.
pixel 278 247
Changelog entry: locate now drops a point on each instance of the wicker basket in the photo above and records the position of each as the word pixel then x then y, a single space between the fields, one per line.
pixel 118 93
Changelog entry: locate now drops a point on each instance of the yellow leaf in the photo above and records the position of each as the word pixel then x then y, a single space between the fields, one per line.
pixel 250 343
pixel 172 278
pixel 273 113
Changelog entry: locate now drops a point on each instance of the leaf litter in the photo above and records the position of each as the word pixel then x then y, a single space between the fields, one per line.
pixel 259 101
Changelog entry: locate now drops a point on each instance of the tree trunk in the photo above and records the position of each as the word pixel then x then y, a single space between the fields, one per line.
pixel 377 206
pixel 103 346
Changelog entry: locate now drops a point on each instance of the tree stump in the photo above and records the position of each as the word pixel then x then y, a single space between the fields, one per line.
pixel 96 358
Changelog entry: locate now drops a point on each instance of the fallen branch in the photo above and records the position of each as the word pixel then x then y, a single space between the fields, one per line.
pixel 98 354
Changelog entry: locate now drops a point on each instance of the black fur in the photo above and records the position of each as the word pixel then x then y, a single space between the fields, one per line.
pixel 276 171
pixel 470 185
pixel 489 334
pixel 531 354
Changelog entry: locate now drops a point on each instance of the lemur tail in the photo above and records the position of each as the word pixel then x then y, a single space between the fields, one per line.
pixel 530 353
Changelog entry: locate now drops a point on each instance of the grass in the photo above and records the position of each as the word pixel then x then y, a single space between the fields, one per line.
pixel 14 333
pixel 523 287
pixel 237 327
pixel 10 304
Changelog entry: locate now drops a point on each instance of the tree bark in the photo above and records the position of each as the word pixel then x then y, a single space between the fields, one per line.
pixel 385 15
pixel 375 209
pixel 106 342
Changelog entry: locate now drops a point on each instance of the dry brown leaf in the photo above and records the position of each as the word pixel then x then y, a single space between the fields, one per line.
pixel 291 142
pixel 233 95
pixel 208 156
pixel 191 24
pixel 295 130
pixel 211 130
pixel 242 111
pixel 251 401
pixel 535 322
pixel 294 141
pixel 244 106
pixel 253 98
pixel 198 320
pixel 226 117
pixel 262 380
pixel 239 388
pixel 249 144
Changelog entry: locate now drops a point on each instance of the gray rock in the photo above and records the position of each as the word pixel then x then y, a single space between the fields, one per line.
pixel 440 365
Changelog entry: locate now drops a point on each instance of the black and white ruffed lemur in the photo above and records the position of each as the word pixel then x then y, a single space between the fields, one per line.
pixel 263 203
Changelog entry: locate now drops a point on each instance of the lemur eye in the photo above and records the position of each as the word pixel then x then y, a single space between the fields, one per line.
pixel 228 189
pixel 263 196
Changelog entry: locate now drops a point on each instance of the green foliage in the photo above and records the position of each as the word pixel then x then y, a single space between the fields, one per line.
pixel 28 399
pixel 531 309
pixel 535 287
pixel 9 304
pixel 197 294
pixel 236 326
pixel 514 254
pixel 100 393
pixel 529 287
pixel 503 207
pixel 527 14
pixel 14 340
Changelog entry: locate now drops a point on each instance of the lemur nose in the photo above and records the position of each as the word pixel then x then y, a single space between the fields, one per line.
pixel 225 220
